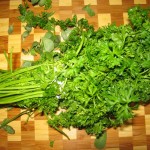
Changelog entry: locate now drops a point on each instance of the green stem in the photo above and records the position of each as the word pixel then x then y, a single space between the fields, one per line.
pixel 10 83
pixel 10 61
pixel 14 118
pixel 144 71
pixel 21 97
pixel 12 93
pixel 80 46
pixel 6 57
pixel 20 87
pixel 4 73
pixel 60 131
pixel 16 72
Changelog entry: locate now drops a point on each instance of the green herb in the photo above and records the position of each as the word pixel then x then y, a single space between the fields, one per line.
pixel 34 2
pixel 4 124
pixel 101 141
pixel 42 2
pixel 48 44
pixel 65 34
pixel 10 29
pixel 51 143
pixel 9 60
pixel 45 3
pixel 102 73
pixel 25 34
pixel 34 21
pixel 140 13
pixel 9 129
pixel 88 9
pixel 28 28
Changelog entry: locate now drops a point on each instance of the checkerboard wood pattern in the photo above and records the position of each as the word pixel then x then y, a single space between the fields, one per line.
pixel 36 135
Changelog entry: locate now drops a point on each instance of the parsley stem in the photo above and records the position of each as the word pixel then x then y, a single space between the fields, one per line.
pixel 17 72
pixel 14 92
pixel 80 46
pixel 20 87
pixel 21 97
pixel 4 123
pixel 145 71
pixel 60 131
pixel 10 83
pixel 10 61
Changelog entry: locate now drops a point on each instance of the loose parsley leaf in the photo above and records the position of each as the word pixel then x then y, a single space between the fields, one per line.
pixel 101 141
pixel 34 2
pixel 9 129
pixel 88 9
pixel 51 143
pixel 10 29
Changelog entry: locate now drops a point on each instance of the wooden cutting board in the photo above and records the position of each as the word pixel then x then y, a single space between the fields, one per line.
pixel 36 135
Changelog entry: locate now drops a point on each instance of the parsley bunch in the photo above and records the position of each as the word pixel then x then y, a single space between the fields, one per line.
pixel 105 80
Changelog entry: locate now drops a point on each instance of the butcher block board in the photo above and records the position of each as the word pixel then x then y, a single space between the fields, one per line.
pixel 36 135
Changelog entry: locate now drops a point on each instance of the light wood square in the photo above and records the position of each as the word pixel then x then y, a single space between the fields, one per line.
pixel 91 2
pixel 14 43
pixel 115 2
pixel 65 2
pixel 139 1
pixel 27 57
pixel 80 16
pixel 140 111
pixel 57 17
pixel 147 124
pixel 125 18
pixel 104 19
pixel 4 24
pixel 17 127
pixel 25 117
pixel 112 149
pixel 57 29
pixel 38 36
pixel 93 137
pixel 140 148
pixel 72 133
pixel 125 131
pixel 3 112
pixel 3 62
pixel 13 4
pixel 41 130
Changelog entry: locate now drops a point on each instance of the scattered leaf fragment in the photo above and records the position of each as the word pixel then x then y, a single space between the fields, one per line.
pixel 51 144
pixel 34 2
pixel 25 34
pixel 10 29
pixel 88 9
pixel 101 141
pixel 28 28
pixel 42 3
pixel 65 34
pixel 48 44
pixel 9 129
